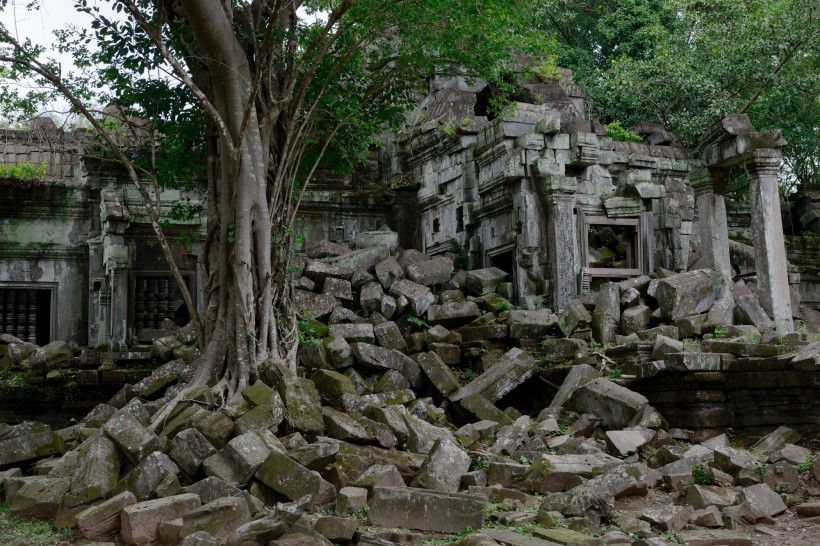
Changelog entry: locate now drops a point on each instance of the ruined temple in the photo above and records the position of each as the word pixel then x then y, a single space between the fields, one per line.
pixel 538 190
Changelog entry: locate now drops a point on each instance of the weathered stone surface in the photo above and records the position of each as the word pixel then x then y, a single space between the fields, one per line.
pixel 703 496
pixel 379 475
pixel 606 318
pixel 762 500
pixel 364 259
pixel 304 406
pixel 140 521
pixel 484 281
pixel 341 426
pixel 615 405
pixel 454 313
pixel 353 333
pixel 443 468
pixel 808 509
pixel 29 446
pixel 530 324
pixel 514 367
pixel 578 375
pixel 350 500
pixel 689 293
pixel 97 472
pixel 242 456
pixel 370 297
pixel 378 358
pixel 337 389
pixel 188 449
pixel 431 272
pixel 388 335
pixel 49 357
pixel 336 529
pixel 388 271
pixel 635 319
pixel 552 473
pixel 621 443
pixel 340 289
pixel 104 519
pixel 147 475
pixel 220 518
pixel 134 440
pixel 293 481
pixel 808 358
pixel 421 435
pixel 437 371
pixel 776 440
pixel 40 498
pixel 313 306
pixel 668 518
pixel 424 510
pixel 733 461
pixel 420 297
pixel 574 316
pixel 693 362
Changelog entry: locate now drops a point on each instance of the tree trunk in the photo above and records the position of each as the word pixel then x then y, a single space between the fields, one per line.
pixel 242 330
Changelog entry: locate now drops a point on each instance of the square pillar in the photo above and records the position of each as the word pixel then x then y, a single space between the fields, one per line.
pixel 709 186
pixel 562 243
pixel 767 232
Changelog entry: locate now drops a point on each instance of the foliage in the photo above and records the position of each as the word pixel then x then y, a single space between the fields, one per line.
pixel 25 170
pixel 418 322
pixel 617 132
pixel 686 63
pixel 461 258
pixel 311 332
pixel 702 474
pixel 614 373
pixel 805 466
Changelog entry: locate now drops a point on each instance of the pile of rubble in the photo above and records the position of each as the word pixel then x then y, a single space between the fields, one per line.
pixel 422 410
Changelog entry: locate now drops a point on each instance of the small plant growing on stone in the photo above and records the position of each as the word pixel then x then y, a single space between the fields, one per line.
pixel 616 131
pixel 702 474
pixel 416 321
pixel 672 536
pixel 805 466
pixel 614 373
pixel 523 459
pixel 762 468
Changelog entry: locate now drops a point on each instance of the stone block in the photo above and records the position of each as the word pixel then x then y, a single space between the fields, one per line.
pixel 388 335
pixel 668 518
pixel 615 405
pixel 762 500
pixel 304 406
pixel 339 352
pixel 425 510
pixel 388 271
pixel 104 519
pixel 140 522
pixel 188 449
pixel 715 537
pixel 353 333
pixel 552 473
pixel 219 518
pixel 419 297
pixel 689 293
pixel 512 369
pixel 97 472
pixel 574 316
pixel 370 298
pixel 143 479
pixel 350 500
pixel 133 439
pixel 431 272
pixel 704 496
pixel 693 362
pixel 606 318
pixel 530 324
pixel 563 349
pixel 634 319
pixel 40 498
pixel 452 314
pixel 26 447
pixel 438 372
pixel 293 481
pixel 337 389
pixel 443 468
pixel 484 281
pixel 336 529
pixel 364 259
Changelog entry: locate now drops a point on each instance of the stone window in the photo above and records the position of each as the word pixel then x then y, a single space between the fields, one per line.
pixel 436 225
pixel 612 246
pixel 156 298
pixel 25 312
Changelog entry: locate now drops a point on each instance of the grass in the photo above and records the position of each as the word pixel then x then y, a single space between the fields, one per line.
pixel 16 531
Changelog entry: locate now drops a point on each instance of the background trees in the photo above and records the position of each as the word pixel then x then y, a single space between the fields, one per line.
pixel 685 63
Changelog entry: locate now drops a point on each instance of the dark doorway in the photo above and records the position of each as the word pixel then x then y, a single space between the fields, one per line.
pixel 26 314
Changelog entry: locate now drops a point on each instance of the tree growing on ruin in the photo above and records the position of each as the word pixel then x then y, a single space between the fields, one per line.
pixel 262 91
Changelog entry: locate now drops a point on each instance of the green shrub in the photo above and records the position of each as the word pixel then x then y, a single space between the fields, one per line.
pixel 617 132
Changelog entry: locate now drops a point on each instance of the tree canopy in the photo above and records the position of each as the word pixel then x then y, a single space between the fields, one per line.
pixel 686 63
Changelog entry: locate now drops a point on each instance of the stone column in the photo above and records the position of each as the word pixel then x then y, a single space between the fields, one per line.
pixel 709 186
pixel 767 232
pixel 562 243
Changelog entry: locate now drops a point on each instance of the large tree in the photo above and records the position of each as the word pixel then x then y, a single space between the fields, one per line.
pixel 269 88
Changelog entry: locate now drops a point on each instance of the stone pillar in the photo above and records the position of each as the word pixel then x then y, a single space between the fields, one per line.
pixel 562 240
pixel 709 186
pixel 767 232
